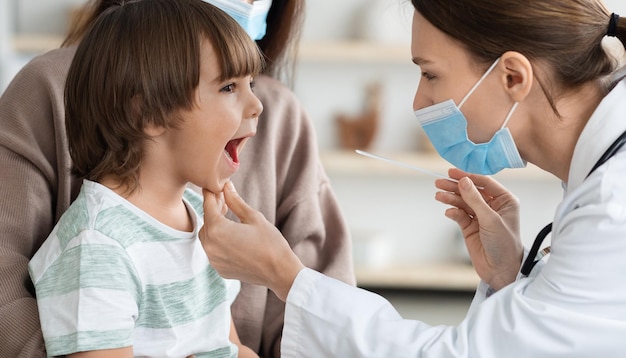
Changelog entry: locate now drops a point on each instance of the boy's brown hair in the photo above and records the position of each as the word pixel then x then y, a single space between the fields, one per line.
pixel 279 45
pixel 138 64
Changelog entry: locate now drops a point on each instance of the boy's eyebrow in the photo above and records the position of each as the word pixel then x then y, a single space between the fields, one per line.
pixel 217 79
pixel 421 61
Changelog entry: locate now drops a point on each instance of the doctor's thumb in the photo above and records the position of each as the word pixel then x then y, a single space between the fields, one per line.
pixel 237 205
pixel 213 204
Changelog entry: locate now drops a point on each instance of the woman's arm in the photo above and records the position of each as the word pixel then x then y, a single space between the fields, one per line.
pixel 35 191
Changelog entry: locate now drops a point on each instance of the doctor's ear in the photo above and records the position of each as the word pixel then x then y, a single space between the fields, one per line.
pixel 517 76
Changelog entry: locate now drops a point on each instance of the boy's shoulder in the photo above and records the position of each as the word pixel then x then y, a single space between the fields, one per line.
pixel 99 210
pixel 77 221
pixel 84 211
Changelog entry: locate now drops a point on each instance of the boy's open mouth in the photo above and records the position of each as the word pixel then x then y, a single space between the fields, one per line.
pixel 231 149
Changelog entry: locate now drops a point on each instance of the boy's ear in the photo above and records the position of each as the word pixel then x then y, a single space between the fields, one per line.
pixel 152 130
pixel 517 76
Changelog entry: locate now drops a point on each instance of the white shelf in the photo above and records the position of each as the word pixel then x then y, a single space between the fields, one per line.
pixel 36 43
pixel 343 162
pixel 332 52
pixel 458 277
pixel 354 52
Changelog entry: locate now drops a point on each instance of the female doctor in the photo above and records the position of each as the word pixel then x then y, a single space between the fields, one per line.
pixel 531 82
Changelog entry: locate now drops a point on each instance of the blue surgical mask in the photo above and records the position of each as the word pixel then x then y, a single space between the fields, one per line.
pixel 446 127
pixel 252 17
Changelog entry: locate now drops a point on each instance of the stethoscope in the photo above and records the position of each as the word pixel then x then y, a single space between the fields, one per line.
pixel 534 255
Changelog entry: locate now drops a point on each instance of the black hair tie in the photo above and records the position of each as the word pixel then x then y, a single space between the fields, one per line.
pixel 612 30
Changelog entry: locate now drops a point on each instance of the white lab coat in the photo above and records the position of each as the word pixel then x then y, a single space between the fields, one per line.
pixel 572 306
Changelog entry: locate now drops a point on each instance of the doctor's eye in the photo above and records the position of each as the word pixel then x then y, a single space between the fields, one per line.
pixel 428 76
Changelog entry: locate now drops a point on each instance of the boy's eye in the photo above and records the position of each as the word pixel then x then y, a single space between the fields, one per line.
pixel 228 88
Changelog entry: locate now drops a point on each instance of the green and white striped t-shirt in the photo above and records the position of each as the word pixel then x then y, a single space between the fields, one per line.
pixel 111 276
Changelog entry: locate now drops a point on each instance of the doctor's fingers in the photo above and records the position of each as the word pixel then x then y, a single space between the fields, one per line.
pixel 489 185
pixel 454 199
pixel 476 201
pixel 453 187
pixel 239 207
pixel 465 221
pixel 231 247
pixel 213 205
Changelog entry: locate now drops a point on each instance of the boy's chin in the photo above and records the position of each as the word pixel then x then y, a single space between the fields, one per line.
pixel 217 187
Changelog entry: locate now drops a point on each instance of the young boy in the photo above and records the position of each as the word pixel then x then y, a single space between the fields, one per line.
pixel 159 95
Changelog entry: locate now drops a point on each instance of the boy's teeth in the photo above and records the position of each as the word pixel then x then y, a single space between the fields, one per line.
pixel 228 155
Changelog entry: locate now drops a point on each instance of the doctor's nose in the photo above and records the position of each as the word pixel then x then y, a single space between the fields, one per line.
pixel 421 100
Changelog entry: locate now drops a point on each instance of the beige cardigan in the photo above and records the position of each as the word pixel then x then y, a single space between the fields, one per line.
pixel 280 175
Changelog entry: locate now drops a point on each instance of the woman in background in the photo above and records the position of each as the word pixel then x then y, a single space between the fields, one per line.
pixel 281 176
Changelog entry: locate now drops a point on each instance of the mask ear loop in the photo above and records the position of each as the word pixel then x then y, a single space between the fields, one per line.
pixel 508 116
pixel 478 83
pixel 493 65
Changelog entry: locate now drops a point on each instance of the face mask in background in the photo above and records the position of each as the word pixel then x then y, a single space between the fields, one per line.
pixel 252 17
pixel 446 127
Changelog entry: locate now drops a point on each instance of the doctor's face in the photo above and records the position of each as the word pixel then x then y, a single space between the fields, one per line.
pixel 449 72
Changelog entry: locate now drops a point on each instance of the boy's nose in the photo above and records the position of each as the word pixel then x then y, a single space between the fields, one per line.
pixel 256 107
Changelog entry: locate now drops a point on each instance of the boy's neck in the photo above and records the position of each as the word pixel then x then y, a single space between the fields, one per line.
pixel 164 203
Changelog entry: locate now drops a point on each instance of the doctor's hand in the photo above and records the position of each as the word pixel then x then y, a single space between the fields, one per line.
pixel 252 251
pixel 489 220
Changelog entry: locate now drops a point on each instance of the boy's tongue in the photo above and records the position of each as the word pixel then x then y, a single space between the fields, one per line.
pixel 231 150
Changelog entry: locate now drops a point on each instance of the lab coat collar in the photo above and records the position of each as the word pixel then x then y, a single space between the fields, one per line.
pixel 607 123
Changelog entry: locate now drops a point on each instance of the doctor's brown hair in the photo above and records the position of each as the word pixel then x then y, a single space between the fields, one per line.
pixel 564 34
pixel 138 65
